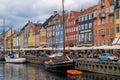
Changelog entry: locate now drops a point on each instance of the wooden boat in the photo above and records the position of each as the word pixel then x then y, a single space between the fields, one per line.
pixel 12 59
pixel 59 65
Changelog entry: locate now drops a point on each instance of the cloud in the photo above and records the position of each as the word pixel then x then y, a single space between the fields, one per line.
pixel 18 12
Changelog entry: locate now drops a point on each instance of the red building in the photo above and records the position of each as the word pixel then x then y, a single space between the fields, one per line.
pixel 71 31
pixel 104 23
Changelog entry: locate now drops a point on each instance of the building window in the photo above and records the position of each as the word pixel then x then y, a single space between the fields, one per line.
pixel 90 25
pixel 107 31
pixel 90 36
pixel 106 20
pixel 117 28
pixel 86 26
pixel 84 18
pixel 94 13
pixel 111 19
pixel 103 21
pixel 111 9
pixel 82 37
pixel 102 32
pixel 107 10
pixel 111 30
pixel 82 27
pixel 99 22
pixel 117 14
pixel 86 36
pixel 99 33
pixel 88 17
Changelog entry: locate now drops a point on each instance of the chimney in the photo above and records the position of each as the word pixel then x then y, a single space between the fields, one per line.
pixel 28 21
pixel 55 12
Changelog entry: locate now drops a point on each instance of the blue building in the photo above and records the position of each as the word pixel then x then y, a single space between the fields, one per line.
pixel 58 36
pixel 58 32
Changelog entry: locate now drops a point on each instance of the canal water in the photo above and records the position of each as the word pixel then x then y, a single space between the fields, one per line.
pixel 36 72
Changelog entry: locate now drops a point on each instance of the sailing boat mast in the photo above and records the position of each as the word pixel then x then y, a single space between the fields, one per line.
pixel 11 38
pixel 52 41
pixel 63 27
pixel 3 36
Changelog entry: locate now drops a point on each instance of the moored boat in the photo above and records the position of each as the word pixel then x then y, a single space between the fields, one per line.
pixel 12 59
pixel 60 65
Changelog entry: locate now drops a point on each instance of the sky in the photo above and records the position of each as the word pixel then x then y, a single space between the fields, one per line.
pixel 17 12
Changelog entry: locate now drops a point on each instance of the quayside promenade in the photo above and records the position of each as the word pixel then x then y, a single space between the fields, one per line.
pixel 85 64
pixel 95 65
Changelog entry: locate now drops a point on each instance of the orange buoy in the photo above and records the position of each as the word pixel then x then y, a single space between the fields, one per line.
pixel 74 72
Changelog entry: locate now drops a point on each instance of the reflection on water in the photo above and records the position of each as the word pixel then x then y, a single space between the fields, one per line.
pixel 37 72
pixel 95 76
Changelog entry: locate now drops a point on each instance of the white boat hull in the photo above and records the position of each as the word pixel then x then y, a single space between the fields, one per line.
pixel 15 60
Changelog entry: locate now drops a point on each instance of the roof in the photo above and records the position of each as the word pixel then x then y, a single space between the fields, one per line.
pixel 76 13
pixel 60 17
pixel 48 20
pixel 88 10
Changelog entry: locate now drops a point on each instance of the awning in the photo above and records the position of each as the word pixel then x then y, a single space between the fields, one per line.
pixel 115 41
pixel 118 42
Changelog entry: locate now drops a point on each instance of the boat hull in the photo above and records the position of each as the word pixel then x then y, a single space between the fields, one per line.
pixel 15 60
pixel 60 67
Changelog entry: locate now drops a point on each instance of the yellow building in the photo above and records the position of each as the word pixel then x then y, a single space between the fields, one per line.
pixel 9 38
pixel 43 37
pixel 31 38
pixel 117 23
pixel 21 43
pixel 9 42
pixel 117 19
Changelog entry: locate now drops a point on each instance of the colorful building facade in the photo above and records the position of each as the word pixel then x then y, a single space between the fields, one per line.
pixel 85 27
pixel 7 34
pixel 72 29
pixel 26 31
pixel 58 29
pixel 104 23
pixel 37 35
pixel 43 37
pixel 117 23
pixel 16 41
pixel 21 39
pixel 49 25
pixel 31 38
